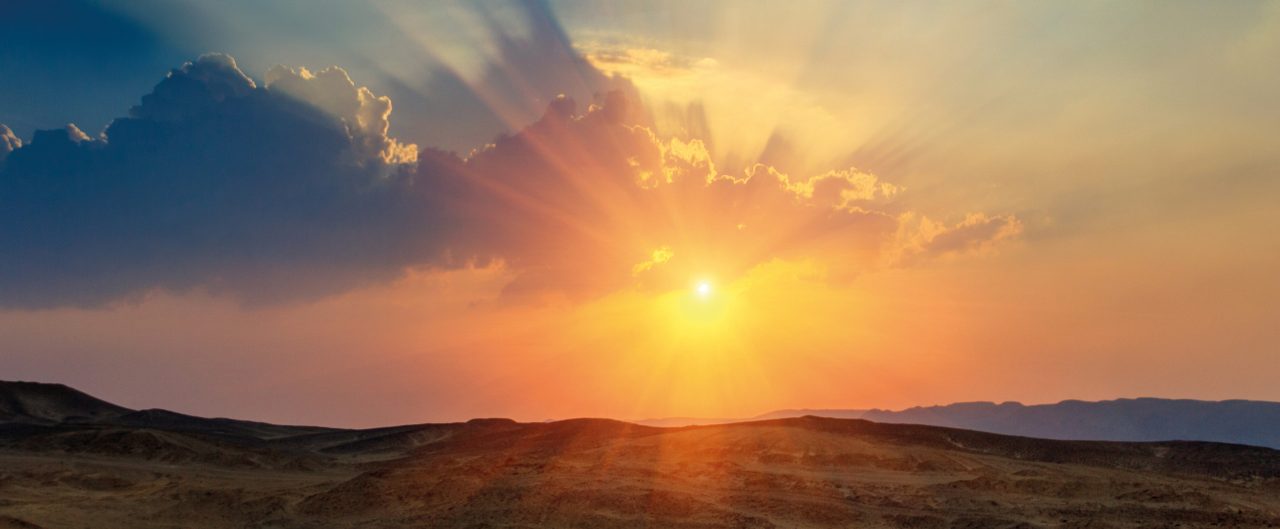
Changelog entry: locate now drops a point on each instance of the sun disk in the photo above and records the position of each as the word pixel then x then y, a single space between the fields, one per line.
pixel 703 289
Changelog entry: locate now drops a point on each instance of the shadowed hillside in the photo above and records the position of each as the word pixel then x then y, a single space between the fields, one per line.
pixel 173 470
pixel 38 403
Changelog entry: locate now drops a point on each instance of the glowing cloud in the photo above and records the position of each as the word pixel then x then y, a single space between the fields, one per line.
pixel 9 142
pixel 576 204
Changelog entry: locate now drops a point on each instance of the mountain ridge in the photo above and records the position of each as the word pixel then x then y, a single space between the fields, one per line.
pixel 1136 419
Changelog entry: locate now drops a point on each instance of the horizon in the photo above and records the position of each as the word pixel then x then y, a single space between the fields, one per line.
pixel 778 413
pixel 380 212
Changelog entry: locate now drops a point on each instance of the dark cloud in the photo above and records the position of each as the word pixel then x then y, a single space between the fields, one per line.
pixel 212 182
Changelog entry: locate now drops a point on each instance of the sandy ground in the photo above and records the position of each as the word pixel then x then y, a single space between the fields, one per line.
pixel 592 473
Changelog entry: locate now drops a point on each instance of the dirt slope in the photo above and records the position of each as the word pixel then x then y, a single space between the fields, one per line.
pixel 68 460
pixel 805 472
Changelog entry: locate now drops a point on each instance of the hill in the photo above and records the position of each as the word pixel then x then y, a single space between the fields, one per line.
pixel 40 403
pixel 168 470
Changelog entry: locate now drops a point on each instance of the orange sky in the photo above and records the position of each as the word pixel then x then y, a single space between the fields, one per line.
pixel 950 218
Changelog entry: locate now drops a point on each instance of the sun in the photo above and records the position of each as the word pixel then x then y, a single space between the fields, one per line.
pixel 703 289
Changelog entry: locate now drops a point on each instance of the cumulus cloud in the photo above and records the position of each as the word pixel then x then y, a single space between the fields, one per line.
pixel 293 189
pixel 196 88
pixel 211 182
pixel 366 116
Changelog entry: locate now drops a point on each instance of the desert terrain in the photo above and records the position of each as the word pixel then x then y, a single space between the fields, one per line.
pixel 68 460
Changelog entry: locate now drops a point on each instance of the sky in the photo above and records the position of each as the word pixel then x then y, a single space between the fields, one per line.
pixel 374 212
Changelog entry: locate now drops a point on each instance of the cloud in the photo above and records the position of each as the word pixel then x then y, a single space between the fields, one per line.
pixel 195 88
pixel 367 117
pixel 661 255
pixel 293 190
pixel 640 60
pixel 750 115
pixel 212 182
pixel 584 204
pixel 920 237
pixel 9 142
pixel 519 58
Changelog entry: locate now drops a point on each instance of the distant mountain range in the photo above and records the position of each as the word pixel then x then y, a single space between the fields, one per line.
pixel 1145 419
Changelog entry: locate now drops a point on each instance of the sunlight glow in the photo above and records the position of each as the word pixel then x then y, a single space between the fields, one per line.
pixel 703 289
